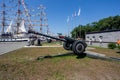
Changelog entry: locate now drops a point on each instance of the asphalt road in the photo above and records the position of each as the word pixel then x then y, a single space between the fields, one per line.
pixel 10 46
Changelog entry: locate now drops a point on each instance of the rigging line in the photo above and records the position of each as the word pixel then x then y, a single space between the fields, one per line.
pixel 27 14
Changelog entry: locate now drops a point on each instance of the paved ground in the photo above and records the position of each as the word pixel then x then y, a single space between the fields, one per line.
pixel 10 46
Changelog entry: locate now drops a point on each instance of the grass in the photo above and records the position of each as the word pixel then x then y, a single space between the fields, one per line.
pixel 22 65
pixel 54 43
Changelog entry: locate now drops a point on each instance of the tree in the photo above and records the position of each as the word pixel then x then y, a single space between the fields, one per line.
pixel 110 23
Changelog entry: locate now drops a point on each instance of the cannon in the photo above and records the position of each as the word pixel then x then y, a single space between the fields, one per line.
pixel 77 46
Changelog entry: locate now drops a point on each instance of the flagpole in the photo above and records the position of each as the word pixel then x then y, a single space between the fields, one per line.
pixel 75 24
pixel 79 11
pixel 68 24
pixel 68 29
pixel 72 21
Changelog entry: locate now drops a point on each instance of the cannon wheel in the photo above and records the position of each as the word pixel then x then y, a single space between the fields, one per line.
pixel 78 47
pixel 67 46
pixel 49 40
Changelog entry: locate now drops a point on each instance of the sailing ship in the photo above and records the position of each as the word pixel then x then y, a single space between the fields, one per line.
pixel 22 32
pixel 11 35
pixel 16 30
pixel 19 20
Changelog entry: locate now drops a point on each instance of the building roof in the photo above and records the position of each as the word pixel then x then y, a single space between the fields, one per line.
pixel 103 31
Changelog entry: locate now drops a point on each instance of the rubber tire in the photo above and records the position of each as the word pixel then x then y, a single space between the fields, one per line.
pixel 85 45
pixel 67 46
pixel 78 47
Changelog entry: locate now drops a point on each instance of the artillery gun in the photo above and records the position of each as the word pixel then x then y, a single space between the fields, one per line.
pixel 77 46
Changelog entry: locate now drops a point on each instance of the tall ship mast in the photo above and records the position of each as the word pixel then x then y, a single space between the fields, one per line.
pixel 23 15
pixel 3 17
pixel 14 23
pixel 15 19
pixel 43 18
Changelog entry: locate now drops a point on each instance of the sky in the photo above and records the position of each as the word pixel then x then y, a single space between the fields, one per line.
pixel 91 10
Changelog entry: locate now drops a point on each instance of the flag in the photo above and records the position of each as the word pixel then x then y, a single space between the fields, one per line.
pixel 79 12
pixel 75 14
pixel 72 17
pixel 68 19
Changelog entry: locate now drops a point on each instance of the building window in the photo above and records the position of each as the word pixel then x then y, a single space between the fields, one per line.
pixel 87 36
pixel 100 37
pixel 93 36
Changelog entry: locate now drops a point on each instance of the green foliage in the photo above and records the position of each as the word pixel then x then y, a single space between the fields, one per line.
pixel 112 46
pixel 105 24
pixel 118 46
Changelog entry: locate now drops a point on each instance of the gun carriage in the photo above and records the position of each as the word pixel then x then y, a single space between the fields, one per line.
pixel 77 46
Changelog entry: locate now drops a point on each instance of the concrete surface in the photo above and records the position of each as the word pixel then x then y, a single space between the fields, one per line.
pixel 10 46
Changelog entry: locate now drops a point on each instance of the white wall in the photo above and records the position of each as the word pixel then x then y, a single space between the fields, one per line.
pixel 107 37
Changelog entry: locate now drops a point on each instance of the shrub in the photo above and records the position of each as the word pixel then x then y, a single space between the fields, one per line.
pixel 112 46
pixel 118 46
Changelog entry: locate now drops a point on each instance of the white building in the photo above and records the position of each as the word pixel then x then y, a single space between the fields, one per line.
pixel 102 38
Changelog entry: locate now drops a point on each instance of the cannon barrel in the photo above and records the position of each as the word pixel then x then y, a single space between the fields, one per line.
pixel 66 39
